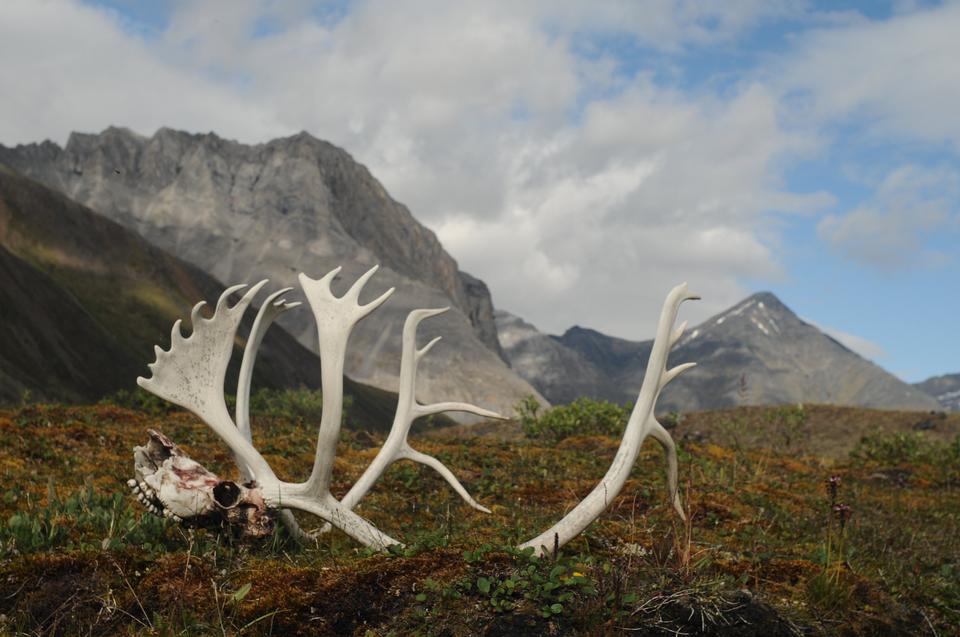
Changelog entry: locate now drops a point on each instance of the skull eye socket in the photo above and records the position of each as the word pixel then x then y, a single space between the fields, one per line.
pixel 226 494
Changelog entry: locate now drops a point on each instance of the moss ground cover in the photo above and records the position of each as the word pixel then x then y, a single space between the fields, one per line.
pixel 762 553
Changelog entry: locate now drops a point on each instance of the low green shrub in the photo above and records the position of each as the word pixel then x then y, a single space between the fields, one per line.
pixel 582 417
pixel 87 519
pixel 907 447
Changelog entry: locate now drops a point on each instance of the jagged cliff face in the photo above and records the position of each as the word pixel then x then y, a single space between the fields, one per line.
pixel 757 352
pixel 271 210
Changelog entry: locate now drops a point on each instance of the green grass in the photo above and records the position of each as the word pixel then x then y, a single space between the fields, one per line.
pixel 761 553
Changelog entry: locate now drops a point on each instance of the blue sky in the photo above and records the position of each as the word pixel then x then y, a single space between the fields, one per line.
pixel 579 157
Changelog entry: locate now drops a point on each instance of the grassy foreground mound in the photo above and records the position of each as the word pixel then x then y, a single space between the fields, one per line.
pixel 772 545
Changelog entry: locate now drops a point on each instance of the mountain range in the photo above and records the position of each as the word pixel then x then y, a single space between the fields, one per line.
pixel 83 301
pixel 105 241
pixel 297 204
pixel 757 352
pixel 945 389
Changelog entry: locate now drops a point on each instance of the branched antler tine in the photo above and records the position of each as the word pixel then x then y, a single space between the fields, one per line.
pixel 192 372
pixel 410 453
pixel 335 318
pixel 396 446
pixel 353 293
pixel 638 427
pixel 661 435
pixel 269 310
pixel 673 372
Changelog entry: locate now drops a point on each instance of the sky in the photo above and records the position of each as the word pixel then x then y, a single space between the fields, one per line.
pixel 580 157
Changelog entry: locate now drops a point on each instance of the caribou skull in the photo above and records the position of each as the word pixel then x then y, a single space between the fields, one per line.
pixel 192 372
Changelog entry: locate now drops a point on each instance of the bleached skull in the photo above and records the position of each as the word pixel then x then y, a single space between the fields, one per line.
pixel 170 483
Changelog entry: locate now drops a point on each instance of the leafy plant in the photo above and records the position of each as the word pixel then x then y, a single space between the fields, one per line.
pixel 87 519
pixel 789 421
pixel 582 417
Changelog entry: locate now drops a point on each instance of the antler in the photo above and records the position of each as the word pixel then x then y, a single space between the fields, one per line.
pixel 397 447
pixel 191 374
pixel 335 318
pixel 641 423
pixel 270 309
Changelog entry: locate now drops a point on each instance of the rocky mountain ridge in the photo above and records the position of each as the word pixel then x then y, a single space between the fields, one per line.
pixel 757 352
pixel 83 301
pixel 243 212
pixel 945 388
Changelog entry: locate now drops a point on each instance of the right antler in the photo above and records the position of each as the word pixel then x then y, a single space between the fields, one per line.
pixel 642 422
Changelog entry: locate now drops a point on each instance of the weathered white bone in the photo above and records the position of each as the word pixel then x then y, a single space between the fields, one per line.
pixel 641 423
pixel 271 308
pixel 172 484
pixel 397 447
pixel 335 317
pixel 191 374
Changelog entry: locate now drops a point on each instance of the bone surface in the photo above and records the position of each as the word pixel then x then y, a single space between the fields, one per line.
pixel 191 374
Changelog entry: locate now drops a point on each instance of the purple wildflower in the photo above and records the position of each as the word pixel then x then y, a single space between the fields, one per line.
pixel 833 488
pixel 843 513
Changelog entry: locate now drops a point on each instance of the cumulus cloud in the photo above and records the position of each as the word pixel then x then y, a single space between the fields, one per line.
pixel 67 66
pixel 897 77
pixel 579 194
pixel 889 231
pixel 858 344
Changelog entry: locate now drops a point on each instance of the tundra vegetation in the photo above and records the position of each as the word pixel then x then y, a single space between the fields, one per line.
pixel 764 550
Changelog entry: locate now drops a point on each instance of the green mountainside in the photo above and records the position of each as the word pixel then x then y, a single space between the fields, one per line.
pixel 84 300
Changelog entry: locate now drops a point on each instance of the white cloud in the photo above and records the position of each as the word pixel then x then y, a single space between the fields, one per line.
pixel 890 230
pixel 898 77
pixel 578 195
pixel 862 346
pixel 70 67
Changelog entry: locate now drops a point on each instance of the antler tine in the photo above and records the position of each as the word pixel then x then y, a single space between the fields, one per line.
pixel 192 372
pixel 673 372
pixel 439 408
pixel 641 424
pixel 269 310
pixel 335 318
pixel 353 293
pixel 396 447
pixel 327 279
pixel 677 333
pixel 661 435
pixel 429 346
pixel 412 454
